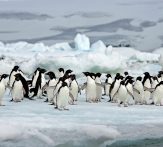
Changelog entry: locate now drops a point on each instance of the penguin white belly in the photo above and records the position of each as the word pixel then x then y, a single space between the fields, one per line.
pixel 12 78
pixel 158 96
pixel 147 94
pixel 50 90
pixel 122 95
pixel 154 83
pixel 91 91
pixel 17 91
pixel 2 91
pixel 139 97
pixel 74 90
pixel 107 86
pixel 62 98
pixel 130 99
pixel 35 79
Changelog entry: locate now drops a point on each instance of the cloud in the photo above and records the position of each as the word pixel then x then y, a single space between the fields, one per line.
pixel 24 16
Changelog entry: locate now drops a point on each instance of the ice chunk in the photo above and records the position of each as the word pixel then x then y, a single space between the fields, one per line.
pixel 61 46
pixel 82 42
pixel 98 46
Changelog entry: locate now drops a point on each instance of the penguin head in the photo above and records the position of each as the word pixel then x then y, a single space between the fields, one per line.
pixel 108 75
pixel 86 73
pixel 160 72
pixel 61 70
pixel 128 78
pixel 51 75
pixel 139 78
pixel 73 77
pixel 120 77
pixel 64 84
pixel 117 74
pixel 17 77
pixel 15 68
pixel 68 71
pixel 155 78
pixel 147 74
pixel 42 70
pixel 4 76
pixel 122 83
pixel 131 81
pixel 92 75
pixel 126 73
pixel 159 75
pixel 98 75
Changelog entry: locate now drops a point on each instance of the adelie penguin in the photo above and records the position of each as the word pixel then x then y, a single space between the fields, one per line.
pixel 60 72
pixel 122 94
pixel 158 94
pixel 14 71
pixel 40 83
pixel 50 86
pixel 114 87
pixel 99 88
pixel 108 83
pixel 3 84
pixel 35 77
pixel 74 88
pixel 90 87
pixel 63 97
pixel 147 84
pixel 17 89
pixel 138 91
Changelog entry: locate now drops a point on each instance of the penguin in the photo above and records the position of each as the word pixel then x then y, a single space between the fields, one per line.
pixel 161 74
pixel 122 94
pixel 114 87
pixel 35 77
pixel 154 81
pixel 68 72
pixel 40 83
pixel 14 71
pixel 159 77
pixel 158 94
pixel 58 85
pixel 147 84
pixel 108 83
pixel 62 97
pixel 98 87
pixel 3 84
pixel 129 87
pixel 17 89
pixel 126 74
pixel 74 88
pixel 90 87
pixel 138 91
pixel 50 86
pixel 60 72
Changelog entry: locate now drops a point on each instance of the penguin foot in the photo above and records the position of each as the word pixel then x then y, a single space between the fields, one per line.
pixel 2 105
pixel 46 100
pixel 51 104
pixel 66 109
pixel 11 100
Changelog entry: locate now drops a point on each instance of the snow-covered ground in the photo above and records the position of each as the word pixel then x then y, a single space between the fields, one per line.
pixel 35 123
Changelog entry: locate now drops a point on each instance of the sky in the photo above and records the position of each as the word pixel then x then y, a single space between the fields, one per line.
pixel 135 22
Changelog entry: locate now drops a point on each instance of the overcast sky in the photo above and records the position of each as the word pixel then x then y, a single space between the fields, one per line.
pixel 138 22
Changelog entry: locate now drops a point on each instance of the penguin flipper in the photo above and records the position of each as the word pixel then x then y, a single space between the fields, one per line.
pixel 83 86
pixel 136 90
pixel 130 93
pixel 149 89
pixel 71 96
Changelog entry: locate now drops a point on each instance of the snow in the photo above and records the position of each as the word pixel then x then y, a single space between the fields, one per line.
pixel 33 121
